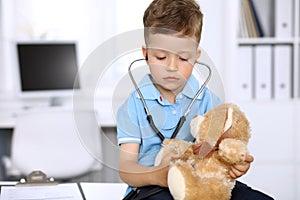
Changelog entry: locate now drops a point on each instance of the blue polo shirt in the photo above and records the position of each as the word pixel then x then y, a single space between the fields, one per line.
pixel 133 126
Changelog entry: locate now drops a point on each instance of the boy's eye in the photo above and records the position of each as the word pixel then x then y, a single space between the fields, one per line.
pixel 160 57
pixel 183 59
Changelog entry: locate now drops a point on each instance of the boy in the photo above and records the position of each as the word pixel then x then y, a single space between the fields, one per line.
pixel 172 35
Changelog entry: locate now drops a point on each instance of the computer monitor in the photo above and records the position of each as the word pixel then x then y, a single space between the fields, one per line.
pixel 47 69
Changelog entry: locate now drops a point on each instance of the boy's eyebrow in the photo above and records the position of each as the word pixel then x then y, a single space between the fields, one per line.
pixel 182 51
pixel 165 50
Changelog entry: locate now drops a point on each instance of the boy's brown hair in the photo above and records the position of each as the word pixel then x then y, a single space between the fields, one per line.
pixel 181 16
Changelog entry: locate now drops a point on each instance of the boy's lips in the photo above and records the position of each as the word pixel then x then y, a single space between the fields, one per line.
pixel 171 78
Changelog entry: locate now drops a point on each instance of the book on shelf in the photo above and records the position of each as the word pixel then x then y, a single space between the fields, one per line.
pixel 265 10
pixel 256 18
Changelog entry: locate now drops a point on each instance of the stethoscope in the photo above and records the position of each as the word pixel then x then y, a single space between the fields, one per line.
pixel 183 117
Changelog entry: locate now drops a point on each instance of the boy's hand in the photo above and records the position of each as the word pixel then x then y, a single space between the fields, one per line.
pixel 237 171
pixel 169 158
pixel 203 149
pixel 162 173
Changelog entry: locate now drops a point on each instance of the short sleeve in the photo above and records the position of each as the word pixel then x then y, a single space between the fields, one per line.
pixel 127 123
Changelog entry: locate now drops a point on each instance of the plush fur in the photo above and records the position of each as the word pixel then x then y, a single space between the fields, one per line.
pixel 206 176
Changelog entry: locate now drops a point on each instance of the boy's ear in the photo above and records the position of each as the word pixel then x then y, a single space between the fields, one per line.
pixel 144 51
pixel 198 54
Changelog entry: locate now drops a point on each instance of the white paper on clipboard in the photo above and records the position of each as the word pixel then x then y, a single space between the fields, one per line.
pixel 65 191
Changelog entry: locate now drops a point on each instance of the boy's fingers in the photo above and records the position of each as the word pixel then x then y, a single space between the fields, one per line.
pixel 174 157
pixel 249 158
pixel 234 173
pixel 202 149
pixel 237 171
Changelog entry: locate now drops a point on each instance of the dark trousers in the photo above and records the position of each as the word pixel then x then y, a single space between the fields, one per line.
pixel 240 192
pixel 243 192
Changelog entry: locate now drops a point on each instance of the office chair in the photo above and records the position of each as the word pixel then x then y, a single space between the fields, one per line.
pixel 48 140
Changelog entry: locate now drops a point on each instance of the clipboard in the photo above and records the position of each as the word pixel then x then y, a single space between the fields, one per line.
pixel 36 178
pixel 37 183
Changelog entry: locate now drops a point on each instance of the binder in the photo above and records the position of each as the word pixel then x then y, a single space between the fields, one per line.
pixel 263 72
pixel 244 73
pixel 282 72
pixel 283 18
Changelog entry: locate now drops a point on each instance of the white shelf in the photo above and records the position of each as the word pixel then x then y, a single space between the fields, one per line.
pixel 266 40
pixel 293 41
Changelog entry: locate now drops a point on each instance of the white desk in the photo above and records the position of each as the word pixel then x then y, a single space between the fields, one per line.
pixel 8 119
pixel 96 191
pixel 10 107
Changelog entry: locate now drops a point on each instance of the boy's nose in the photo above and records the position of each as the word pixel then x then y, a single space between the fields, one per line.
pixel 172 64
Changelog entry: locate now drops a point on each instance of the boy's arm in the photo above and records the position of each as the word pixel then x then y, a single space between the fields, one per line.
pixel 137 175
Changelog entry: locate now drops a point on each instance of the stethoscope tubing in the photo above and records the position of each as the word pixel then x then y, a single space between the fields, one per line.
pixel 183 117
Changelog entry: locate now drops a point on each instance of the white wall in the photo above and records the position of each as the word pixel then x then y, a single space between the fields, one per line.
pixel 90 22
pixel 6 28
pixel 212 40
pixel 87 22
pixel 1 37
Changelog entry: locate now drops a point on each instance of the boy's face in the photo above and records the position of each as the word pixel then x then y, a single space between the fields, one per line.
pixel 171 60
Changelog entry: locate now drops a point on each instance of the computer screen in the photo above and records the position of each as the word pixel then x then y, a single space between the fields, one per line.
pixel 47 68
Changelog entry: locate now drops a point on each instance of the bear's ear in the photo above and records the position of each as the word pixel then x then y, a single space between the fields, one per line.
pixel 195 125
pixel 229 118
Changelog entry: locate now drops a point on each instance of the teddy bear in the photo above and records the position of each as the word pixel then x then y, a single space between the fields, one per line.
pixel 223 133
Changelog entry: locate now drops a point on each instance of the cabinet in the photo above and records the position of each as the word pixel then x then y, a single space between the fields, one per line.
pixel 273 72
pixel 263 78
